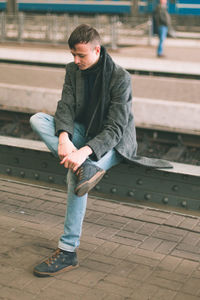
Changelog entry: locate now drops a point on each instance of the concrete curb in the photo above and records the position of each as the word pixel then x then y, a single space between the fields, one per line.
pixel 175 116
pixel 28 99
pixel 62 57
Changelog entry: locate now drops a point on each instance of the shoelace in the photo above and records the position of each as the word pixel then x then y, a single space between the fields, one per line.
pixel 79 173
pixel 51 259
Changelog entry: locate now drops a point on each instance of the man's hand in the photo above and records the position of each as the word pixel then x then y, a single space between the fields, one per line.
pixel 65 146
pixel 76 158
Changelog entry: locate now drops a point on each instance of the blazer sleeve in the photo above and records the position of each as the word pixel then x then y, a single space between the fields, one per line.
pixel 117 117
pixel 65 112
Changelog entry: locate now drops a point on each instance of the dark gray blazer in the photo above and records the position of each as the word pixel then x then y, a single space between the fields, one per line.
pixel 118 129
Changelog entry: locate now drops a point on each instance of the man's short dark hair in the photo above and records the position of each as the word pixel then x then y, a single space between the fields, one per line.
pixel 83 34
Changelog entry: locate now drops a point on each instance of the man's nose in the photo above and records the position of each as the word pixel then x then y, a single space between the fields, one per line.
pixel 76 59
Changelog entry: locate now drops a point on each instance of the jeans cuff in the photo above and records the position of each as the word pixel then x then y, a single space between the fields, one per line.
pixel 66 247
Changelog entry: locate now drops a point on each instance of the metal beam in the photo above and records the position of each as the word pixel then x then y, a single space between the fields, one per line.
pixel 177 187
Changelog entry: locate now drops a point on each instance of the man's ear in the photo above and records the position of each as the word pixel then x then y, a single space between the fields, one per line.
pixel 98 49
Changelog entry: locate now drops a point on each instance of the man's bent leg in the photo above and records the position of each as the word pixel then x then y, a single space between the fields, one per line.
pixel 44 126
pixel 65 257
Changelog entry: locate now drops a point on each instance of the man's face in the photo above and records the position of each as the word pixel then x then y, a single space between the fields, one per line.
pixel 163 2
pixel 85 55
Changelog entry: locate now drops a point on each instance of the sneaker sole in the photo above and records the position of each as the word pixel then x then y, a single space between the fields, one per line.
pixel 85 187
pixel 45 274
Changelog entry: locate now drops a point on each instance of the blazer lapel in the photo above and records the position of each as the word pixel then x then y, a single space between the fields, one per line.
pixel 79 91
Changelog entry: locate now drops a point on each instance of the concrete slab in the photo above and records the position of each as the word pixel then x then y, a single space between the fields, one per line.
pixel 59 56
pixel 28 99
pixel 155 65
pixel 157 113
pixel 23 143
pixel 167 114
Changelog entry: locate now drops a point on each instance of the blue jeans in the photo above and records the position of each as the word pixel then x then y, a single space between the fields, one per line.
pixel 43 125
pixel 162 34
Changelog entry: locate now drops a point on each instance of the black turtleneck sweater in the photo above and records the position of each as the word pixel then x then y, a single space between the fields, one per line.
pixel 90 96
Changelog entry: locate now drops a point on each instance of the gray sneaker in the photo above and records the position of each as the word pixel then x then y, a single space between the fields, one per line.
pixel 88 176
pixel 61 261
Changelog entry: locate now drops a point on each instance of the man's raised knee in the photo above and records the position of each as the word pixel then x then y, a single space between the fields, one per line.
pixel 35 118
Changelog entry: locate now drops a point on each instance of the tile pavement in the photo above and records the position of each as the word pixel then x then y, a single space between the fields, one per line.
pixel 126 252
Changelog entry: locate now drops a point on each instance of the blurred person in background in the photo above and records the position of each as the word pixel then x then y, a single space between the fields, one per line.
pixel 162 25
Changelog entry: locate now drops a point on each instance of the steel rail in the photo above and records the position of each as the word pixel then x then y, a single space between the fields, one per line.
pixel 177 187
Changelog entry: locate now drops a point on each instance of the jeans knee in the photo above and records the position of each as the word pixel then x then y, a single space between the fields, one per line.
pixel 34 120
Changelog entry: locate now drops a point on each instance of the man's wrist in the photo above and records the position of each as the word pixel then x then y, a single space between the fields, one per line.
pixel 87 150
pixel 63 137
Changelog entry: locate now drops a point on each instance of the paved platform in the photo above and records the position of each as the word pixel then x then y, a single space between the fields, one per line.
pixel 126 251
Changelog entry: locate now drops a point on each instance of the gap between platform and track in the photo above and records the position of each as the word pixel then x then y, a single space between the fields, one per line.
pixel 131 71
